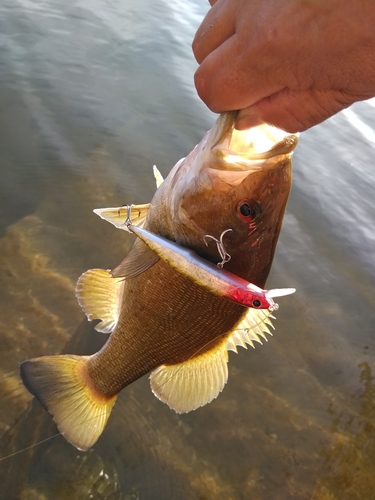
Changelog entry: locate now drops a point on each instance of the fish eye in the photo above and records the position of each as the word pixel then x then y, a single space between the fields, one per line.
pixel 256 303
pixel 247 210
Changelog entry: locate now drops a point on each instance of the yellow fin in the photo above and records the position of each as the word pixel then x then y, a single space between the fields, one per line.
pixel 251 328
pixel 194 383
pixel 197 381
pixel 158 177
pixel 139 259
pixel 99 295
pixel 118 215
pixel 61 385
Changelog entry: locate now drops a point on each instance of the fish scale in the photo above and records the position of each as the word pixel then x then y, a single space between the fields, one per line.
pixel 195 322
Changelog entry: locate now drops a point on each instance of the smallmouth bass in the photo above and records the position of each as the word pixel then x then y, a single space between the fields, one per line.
pixel 232 188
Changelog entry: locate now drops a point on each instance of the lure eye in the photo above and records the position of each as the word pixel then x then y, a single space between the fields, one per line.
pixel 247 210
pixel 256 303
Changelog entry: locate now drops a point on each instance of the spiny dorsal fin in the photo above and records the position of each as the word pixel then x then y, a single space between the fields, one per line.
pixel 253 325
pixel 99 295
pixel 194 383
pixel 139 259
pixel 118 215
pixel 60 383
pixel 158 177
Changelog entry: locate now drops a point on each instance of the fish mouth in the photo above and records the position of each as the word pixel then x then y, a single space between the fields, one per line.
pixel 259 143
pixel 234 154
pixel 248 149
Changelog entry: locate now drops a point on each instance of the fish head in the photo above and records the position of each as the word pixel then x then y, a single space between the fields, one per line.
pixel 232 188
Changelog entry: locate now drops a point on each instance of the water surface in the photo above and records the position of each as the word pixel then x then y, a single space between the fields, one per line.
pixel 92 94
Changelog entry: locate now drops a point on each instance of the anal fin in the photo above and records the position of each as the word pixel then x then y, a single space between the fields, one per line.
pixel 197 381
pixel 187 386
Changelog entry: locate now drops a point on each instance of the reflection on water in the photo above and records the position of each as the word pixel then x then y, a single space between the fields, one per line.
pixel 93 93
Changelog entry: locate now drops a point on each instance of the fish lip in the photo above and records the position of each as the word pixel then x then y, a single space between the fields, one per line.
pixel 229 155
pixel 248 148
pixel 256 138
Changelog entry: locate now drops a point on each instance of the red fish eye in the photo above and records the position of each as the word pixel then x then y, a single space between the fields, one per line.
pixel 247 210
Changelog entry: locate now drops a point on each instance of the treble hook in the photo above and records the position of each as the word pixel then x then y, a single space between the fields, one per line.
pixel 128 221
pixel 220 247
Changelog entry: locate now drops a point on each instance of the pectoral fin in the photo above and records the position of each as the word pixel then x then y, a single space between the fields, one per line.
pixel 117 216
pixel 99 295
pixel 194 383
pixel 139 259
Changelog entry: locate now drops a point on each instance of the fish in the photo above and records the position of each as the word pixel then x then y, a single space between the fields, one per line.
pixel 225 202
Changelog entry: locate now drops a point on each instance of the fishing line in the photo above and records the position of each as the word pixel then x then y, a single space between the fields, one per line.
pixel 29 447
pixel 54 436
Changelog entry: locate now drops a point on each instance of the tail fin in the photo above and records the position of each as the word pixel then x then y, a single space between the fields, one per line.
pixel 62 386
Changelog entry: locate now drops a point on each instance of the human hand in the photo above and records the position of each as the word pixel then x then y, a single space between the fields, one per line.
pixel 289 63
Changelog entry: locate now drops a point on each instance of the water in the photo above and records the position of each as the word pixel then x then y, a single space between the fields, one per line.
pixel 93 93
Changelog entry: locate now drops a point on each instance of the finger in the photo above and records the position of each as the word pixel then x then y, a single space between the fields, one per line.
pixel 225 82
pixel 216 27
pixel 294 111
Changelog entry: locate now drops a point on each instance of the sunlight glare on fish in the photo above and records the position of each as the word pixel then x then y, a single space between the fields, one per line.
pixel 238 160
pixel 256 140
pixel 257 144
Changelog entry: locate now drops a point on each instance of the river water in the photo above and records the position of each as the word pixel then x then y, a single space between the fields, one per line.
pixel 92 94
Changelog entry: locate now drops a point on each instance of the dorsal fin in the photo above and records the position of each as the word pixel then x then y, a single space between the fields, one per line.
pixel 139 259
pixel 99 295
pixel 118 215
pixel 158 177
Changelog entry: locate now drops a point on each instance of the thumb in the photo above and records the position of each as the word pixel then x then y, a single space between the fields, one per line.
pixel 294 111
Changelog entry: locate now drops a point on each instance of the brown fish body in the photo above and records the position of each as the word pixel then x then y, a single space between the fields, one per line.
pixel 179 321
pixel 161 321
